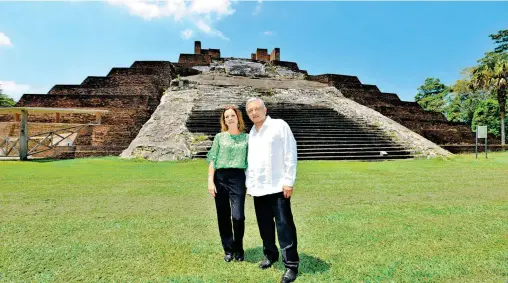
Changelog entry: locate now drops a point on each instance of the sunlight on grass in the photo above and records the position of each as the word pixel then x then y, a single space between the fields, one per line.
pixel 108 219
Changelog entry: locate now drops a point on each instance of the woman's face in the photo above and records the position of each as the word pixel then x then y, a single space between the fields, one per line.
pixel 230 118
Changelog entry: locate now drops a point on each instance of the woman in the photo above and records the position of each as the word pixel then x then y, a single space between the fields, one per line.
pixel 226 181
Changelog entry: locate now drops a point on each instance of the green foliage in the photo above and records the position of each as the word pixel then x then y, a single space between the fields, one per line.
pixel 492 75
pixel 432 95
pixel 5 100
pixel 463 100
pixel 501 39
pixel 487 114
pixel 200 138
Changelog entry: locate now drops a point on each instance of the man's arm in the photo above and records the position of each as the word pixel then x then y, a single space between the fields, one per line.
pixel 290 159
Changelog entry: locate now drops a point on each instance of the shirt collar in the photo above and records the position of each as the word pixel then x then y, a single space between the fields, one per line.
pixel 266 123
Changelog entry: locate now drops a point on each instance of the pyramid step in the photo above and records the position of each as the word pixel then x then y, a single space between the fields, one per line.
pixel 332 147
pixel 304 135
pixel 355 149
pixel 348 142
pixel 288 118
pixel 347 157
pixel 342 153
pixel 216 129
pixel 365 157
pixel 313 131
pixel 354 153
pixel 295 124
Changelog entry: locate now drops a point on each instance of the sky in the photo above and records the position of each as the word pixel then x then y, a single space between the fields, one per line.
pixel 394 45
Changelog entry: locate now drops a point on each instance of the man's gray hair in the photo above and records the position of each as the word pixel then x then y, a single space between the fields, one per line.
pixel 255 99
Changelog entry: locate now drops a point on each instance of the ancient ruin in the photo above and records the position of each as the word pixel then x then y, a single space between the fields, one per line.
pixel 161 110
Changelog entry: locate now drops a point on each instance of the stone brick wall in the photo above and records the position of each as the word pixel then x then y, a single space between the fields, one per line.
pixel 214 53
pixel 183 70
pixel 121 90
pixel 6 117
pixel 338 81
pixel 131 71
pixel 127 115
pixel 130 94
pixel 432 125
pixel 286 64
pixel 275 55
pixel 99 82
pixel 194 59
pixel 82 101
pixel 197 47
pixel 262 55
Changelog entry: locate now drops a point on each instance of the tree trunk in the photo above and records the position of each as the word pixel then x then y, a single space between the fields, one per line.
pixel 501 97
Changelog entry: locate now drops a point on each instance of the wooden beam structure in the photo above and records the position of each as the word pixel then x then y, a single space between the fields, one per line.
pixel 24 111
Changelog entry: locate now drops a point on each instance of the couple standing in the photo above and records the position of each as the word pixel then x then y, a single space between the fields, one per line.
pixel 270 152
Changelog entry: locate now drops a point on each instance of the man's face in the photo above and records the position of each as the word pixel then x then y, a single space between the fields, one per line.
pixel 256 112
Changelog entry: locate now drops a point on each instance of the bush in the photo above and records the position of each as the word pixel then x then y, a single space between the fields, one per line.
pixel 487 114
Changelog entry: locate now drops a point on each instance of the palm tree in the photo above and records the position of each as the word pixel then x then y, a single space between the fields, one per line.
pixel 492 75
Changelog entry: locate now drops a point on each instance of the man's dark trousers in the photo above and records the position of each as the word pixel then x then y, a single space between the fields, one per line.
pixel 268 208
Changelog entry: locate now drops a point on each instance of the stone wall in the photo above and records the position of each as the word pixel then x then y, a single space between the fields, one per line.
pixel 432 125
pixel 275 55
pixel 190 60
pixel 130 94
pixel 335 80
pixel 214 53
pixel 165 137
pixel 286 64
pixel 262 55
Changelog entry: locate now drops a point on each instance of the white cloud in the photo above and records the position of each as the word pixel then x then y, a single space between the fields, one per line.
pixel 268 32
pixel 16 90
pixel 195 11
pixel 202 26
pixel 4 40
pixel 257 10
pixel 219 7
pixel 186 34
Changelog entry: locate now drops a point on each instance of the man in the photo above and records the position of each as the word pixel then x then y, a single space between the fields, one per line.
pixel 271 174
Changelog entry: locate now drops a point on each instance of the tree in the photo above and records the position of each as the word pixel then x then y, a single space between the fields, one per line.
pixel 432 95
pixel 500 38
pixel 5 101
pixel 492 75
pixel 464 101
pixel 487 114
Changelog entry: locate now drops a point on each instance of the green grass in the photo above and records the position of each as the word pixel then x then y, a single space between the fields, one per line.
pixel 108 219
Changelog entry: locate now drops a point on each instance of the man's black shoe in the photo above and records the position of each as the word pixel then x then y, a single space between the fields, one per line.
pixel 289 276
pixel 228 257
pixel 266 263
pixel 239 256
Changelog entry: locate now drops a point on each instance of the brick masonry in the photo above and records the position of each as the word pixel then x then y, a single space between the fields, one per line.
pixel 132 94
pixel 432 125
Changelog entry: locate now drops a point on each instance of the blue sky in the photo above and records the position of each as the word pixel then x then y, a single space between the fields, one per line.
pixel 394 45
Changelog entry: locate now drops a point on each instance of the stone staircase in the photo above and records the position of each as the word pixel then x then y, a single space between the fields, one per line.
pixel 453 136
pixel 321 134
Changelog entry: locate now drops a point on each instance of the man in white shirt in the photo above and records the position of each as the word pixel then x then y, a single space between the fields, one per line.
pixel 271 174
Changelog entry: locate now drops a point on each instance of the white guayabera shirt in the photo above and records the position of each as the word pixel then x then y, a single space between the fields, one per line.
pixel 271 158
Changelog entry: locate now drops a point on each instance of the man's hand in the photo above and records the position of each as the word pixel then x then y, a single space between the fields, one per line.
pixel 288 191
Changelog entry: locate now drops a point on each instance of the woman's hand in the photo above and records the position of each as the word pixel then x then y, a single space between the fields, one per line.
pixel 211 189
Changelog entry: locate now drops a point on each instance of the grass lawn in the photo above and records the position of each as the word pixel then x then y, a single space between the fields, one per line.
pixel 108 219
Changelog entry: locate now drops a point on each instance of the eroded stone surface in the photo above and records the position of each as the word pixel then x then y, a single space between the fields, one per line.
pixel 165 137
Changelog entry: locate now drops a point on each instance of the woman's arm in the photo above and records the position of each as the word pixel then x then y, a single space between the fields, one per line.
pixel 211 185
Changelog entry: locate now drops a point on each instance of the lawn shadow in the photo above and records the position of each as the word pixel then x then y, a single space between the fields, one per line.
pixel 308 264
